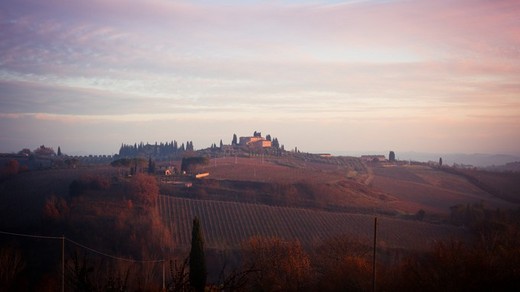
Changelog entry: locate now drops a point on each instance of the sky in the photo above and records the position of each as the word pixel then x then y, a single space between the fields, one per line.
pixel 324 76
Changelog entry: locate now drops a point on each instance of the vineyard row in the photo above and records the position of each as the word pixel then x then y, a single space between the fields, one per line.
pixel 228 224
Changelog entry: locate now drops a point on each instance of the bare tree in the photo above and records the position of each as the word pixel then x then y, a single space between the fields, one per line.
pixel 11 265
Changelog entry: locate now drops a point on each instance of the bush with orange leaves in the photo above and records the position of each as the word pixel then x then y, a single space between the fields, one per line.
pixel 55 208
pixel 11 168
pixel 342 264
pixel 144 189
pixel 279 265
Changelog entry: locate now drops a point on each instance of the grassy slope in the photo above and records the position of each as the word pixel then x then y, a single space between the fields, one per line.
pixel 418 187
pixel 343 183
pixel 336 183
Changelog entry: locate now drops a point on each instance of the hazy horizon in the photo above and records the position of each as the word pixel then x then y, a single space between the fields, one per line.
pixel 323 76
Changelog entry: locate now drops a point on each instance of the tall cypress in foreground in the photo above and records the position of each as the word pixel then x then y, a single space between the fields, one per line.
pixel 197 260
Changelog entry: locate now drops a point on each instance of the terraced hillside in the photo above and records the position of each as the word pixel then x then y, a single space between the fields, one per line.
pixel 228 224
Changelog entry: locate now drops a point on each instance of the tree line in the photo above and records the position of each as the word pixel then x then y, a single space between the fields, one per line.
pixel 161 149
pixel 169 149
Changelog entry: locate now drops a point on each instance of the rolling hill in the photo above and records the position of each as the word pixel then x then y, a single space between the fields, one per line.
pixel 297 197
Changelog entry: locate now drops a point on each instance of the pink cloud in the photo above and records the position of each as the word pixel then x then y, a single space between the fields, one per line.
pixel 395 60
pixel 12 115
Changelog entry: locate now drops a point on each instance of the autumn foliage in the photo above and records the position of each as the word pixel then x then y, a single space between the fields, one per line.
pixel 11 168
pixel 55 208
pixel 343 264
pixel 144 189
pixel 280 265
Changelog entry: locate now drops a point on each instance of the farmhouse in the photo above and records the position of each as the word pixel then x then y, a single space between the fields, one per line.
pixel 256 141
pixel 373 158
pixel 202 175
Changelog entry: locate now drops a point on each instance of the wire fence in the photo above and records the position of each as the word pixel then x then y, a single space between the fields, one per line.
pixel 64 240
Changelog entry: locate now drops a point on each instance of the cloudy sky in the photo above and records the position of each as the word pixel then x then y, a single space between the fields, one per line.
pixel 327 76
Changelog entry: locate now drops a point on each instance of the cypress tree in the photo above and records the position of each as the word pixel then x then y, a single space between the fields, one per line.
pixel 197 261
pixel 151 166
pixel 391 156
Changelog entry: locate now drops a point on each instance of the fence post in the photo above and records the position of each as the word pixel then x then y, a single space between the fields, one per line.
pixel 62 263
pixel 374 256
pixel 163 276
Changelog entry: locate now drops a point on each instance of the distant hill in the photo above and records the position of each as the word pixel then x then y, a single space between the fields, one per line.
pixel 476 159
pixel 512 166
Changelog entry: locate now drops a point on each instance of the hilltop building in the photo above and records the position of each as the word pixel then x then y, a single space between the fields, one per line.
pixel 256 141
pixel 373 158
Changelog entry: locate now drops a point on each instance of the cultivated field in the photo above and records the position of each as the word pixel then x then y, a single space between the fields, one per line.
pixel 228 224
pixel 286 169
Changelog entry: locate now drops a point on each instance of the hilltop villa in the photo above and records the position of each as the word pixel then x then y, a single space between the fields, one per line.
pixel 256 141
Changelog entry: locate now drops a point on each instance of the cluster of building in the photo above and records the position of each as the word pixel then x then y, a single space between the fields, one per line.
pixel 256 141
pixel 373 158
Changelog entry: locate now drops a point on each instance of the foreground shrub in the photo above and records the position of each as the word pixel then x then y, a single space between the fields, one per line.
pixel 144 189
pixel 280 265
